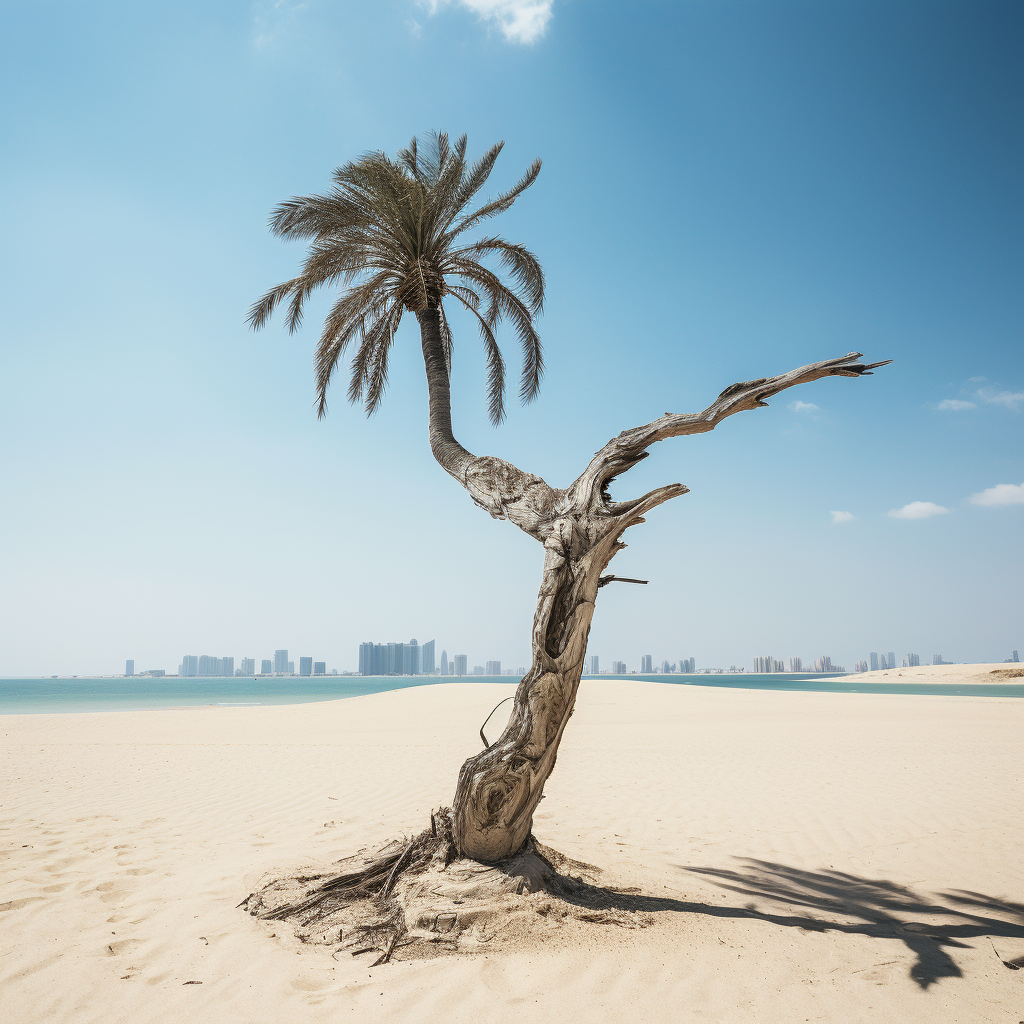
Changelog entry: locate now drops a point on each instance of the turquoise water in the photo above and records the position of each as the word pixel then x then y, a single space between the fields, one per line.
pixel 50 696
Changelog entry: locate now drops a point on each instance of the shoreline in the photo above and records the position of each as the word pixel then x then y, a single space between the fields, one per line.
pixel 986 681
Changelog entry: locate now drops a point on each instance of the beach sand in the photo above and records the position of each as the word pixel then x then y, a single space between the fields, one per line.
pixel 1010 673
pixel 800 856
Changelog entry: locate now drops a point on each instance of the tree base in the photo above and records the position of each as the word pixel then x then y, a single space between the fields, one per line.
pixel 415 898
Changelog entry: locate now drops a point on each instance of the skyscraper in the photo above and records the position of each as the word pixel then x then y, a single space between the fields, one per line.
pixel 412 657
pixel 618 668
pixel 319 668
pixel 129 667
pixel 305 666
pixel 267 667
pixel 646 664
pixel 249 666
pixel 227 666
pixel 444 662
pixel 594 665
pixel 493 668
pixel 460 664
pixel 427 659
pixel 873 658
pixel 281 662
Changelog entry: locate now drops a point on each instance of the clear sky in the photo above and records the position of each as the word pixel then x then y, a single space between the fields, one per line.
pixel 730 190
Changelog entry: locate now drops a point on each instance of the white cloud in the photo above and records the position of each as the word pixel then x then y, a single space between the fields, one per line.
pixel 843 517
pixel 1001 494
pixel 918 510
pixel 994 396
pixel 521 21
pixel 955 405
pixel 799 406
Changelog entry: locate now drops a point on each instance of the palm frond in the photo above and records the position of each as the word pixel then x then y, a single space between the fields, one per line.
pixel 499 205
pixel 384 235
pixel 495 369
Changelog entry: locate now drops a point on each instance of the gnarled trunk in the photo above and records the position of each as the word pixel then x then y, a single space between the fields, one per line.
pixel 580 528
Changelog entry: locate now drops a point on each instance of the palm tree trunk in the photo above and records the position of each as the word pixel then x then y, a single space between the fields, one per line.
pixel 580 528
pixel 451 456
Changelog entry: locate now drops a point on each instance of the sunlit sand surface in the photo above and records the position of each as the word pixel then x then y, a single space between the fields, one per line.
pixel 798 856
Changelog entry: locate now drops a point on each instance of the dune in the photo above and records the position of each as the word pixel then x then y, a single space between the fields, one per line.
pixel 786 856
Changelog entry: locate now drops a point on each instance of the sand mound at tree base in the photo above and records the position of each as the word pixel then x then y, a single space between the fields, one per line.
pixel 414 898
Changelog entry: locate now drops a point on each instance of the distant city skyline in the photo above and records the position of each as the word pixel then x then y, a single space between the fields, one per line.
pixel 411 654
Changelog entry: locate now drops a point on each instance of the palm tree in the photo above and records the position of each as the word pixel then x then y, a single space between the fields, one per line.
pixel 390 233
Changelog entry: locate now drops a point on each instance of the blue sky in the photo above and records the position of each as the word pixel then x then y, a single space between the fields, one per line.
pixel 729 190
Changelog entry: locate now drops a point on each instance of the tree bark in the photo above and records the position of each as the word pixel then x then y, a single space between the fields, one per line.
pixel 580 527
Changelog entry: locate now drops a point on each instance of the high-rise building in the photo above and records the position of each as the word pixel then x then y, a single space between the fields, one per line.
pixel 460 664
pixel 248 666
pixel 796 665
pixel 873 658
pixel 687 665
pixel 396 660
pixel 594 665
pixel 646 664
pixel 412 658
pixel 227 666
pixel 305 666
pixel 129 667
pixel 493 668
pixel 451 668
pixel 936 659
pixel 319 668
pixel 267 667
pixel 281 662
pixel 291 668
pixel 427 667
pixel 618 668
pixel 1015 658
pixel 189 666
pixel 892 660
pixel 444 663
pixel 913 660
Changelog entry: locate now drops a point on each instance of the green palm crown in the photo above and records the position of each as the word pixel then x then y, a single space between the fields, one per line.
pixel 389 233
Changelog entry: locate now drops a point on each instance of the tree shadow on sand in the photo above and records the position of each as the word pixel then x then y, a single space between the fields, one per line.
pixel 926 925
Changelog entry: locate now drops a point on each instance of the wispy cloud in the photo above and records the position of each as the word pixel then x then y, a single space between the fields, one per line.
pixel 955 405
pixel 521 21
pixel 1001 396
pixel 799 406
pixel 918 510
pixel 842 517
pixel 273 18
pixel 1001 494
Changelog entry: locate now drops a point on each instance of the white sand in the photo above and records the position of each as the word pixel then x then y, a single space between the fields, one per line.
pixel 995 674
pixel 130 837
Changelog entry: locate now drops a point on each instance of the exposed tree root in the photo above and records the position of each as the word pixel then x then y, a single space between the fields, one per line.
pixel 418 897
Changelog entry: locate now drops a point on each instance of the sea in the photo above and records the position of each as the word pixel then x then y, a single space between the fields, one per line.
pixel 139 693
